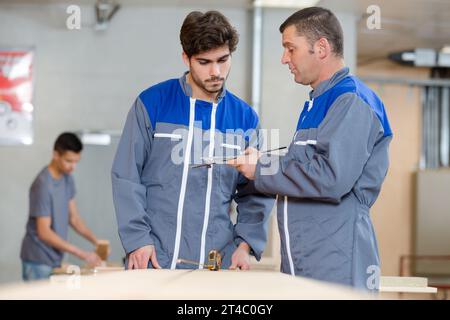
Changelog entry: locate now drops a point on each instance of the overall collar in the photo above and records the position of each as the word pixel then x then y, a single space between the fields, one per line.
pixel 329 83
pixel 187 89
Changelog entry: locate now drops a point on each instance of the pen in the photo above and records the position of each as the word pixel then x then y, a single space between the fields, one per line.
pixel 227 159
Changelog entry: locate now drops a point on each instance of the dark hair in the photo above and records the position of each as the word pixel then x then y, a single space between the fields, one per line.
pixel 315 23
pixel 68 141
pixel 202 32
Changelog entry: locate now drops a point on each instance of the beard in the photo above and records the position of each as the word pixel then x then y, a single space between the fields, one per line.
pixel 211 85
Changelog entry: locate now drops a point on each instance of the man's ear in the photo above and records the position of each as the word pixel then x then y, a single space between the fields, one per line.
pixel 55 155
pixel 323 48
pixel 186 59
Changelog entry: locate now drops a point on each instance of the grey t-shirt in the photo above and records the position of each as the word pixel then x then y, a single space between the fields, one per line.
pixel 48 198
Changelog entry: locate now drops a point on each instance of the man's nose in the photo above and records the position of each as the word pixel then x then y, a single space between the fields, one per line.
pixel 284 57
pixel 215 70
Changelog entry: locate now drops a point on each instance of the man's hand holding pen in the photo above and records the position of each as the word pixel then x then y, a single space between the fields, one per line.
pixel 246 163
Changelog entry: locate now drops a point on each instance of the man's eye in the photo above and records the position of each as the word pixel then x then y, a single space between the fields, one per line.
pixel 203 63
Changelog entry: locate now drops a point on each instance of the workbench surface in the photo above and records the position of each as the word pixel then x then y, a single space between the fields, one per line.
pixel 180 284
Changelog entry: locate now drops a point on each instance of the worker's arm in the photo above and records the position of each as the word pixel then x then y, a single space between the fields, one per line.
pixel 254 210
pixel 345 140
pixel 129 193
pixel 77 223
pixel 50 237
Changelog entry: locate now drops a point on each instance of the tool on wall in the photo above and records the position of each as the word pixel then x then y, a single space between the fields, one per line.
pixel 104 11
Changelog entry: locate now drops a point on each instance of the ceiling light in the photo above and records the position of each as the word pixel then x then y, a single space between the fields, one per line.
pixel 285 3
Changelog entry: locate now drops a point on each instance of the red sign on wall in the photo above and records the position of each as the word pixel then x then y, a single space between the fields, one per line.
pixel 16 91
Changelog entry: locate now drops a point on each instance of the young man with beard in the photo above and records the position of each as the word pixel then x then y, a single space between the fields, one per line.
pixel 167 209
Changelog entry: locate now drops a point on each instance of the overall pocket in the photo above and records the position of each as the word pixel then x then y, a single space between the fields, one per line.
pixel 166 158
pixel 303 147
